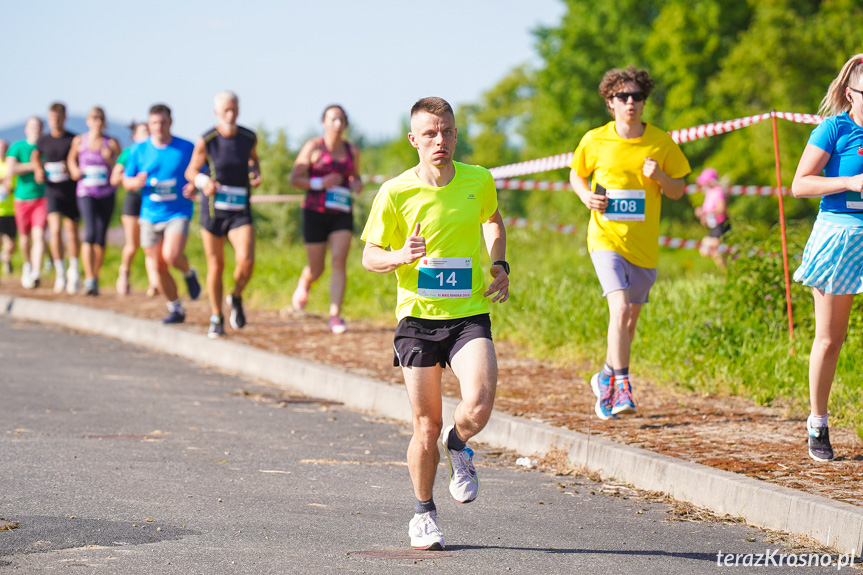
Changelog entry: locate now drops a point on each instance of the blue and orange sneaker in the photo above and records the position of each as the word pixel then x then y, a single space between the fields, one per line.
pixel 603 389
pixel 623 402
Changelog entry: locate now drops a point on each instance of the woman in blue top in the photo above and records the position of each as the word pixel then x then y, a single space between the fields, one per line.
pixel 832 168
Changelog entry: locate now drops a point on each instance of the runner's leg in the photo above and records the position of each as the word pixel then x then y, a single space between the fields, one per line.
pixel 73 241
pixel 424 393
pixel 475 365
pixel 619 324
pixel 214 248
pixel 243 241
pixel 55 239
pixel 831 326
pixel 161 275
pixel 316 254
pixel 340 245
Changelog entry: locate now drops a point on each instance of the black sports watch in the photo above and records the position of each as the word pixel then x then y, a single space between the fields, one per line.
pixel 503 264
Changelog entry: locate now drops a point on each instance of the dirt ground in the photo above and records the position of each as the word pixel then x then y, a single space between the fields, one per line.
pixel 724 432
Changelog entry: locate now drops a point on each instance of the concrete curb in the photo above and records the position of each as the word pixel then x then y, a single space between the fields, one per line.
pixel 832 523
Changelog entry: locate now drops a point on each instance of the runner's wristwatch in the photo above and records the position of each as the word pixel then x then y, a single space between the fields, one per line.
pixel 503 264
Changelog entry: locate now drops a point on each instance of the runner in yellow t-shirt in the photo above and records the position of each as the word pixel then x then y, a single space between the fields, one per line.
pixel 434 218
pixel 632 164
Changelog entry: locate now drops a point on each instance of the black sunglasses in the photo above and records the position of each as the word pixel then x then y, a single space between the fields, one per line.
pixel 855 90
pixel 624 96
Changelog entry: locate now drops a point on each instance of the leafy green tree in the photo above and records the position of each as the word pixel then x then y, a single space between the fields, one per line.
pixel 278 220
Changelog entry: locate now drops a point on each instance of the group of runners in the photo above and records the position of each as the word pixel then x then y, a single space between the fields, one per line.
pixel 429 224
pixel 54 180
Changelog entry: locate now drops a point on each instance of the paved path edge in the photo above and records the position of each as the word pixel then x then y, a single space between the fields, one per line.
pixel 832 523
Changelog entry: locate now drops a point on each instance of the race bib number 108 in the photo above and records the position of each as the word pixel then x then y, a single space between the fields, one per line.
pixel 625 205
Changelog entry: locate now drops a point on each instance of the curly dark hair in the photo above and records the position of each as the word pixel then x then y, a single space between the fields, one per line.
pixel 615 78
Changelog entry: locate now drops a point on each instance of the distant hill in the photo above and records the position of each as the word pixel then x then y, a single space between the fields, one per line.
pixel 77 125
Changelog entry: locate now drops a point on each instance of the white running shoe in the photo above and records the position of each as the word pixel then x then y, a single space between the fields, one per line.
pixel 73 281
pixel 425 533
pixel 463 481
pixel 27 276
pixel 59 284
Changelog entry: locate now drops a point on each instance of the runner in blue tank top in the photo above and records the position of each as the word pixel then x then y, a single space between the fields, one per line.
pixel 228 153
pixel 157 168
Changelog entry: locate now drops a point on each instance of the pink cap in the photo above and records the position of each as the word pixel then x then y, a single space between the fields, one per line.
pixel 707 176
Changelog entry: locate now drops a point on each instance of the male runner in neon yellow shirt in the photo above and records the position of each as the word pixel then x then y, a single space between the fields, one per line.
pixel 433 218
pixel 632 165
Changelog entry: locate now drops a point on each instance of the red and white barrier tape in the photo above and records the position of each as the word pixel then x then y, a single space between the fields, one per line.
pixel 679 136
pixel 265 199
pixel 664 241
pixel 529 185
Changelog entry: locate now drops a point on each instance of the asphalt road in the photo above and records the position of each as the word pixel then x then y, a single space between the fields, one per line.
pixel 114 459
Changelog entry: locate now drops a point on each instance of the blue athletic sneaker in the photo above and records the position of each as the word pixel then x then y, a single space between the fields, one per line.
pixel 176 316
pixel 623 402
pixel 603 389
pixel 192 284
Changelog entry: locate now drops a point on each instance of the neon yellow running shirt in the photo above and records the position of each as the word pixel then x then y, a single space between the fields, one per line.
pixel 449 282
pixel 7 206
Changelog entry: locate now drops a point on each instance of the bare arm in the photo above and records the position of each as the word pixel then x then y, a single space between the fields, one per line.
pixel 809 183
pixel 117 174
pixel 494 234
pixel 300 173
pixel 136 182
pixel 112 153
pixel 581 188
pixel 17 168
pixel 254 167
pixel 356 178
pixel 377 259
pixel 72 159
pixel 674 188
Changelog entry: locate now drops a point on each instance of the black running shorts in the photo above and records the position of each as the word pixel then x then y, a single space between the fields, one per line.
pixel 67 206
pixel 318 226
pixel 132 204
pixel 8 227
pixel 224 221
pixel 427 342
pixel 720 230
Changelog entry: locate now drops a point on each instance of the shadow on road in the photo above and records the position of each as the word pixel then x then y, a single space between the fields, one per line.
pixel 39 534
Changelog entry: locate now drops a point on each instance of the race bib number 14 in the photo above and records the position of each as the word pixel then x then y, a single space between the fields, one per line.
pixel 445 277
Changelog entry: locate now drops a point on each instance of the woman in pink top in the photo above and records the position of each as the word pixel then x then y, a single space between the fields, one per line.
pixel 91 159
pixel 713 214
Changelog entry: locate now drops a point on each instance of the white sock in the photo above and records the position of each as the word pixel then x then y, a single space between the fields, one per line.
pixel 817 420
pixel 60 267
pixel 73 264
pixel 175 305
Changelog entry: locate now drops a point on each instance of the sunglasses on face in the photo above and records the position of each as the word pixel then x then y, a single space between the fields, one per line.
pixel 625 96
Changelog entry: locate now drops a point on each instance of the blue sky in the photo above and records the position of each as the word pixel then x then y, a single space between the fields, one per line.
pixel 287 60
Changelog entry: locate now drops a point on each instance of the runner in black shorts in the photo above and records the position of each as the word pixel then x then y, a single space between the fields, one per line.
pixel 443 304
pixel 60 192
pixel 328 168
pixel 8 229
pixel 130 213
pixel 229 154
